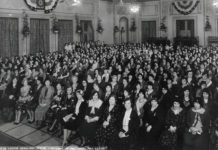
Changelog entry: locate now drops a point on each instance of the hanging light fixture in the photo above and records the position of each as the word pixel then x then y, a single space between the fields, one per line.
pixel 73 2
pixel 215 3
pixel 134 8
pixel 121 2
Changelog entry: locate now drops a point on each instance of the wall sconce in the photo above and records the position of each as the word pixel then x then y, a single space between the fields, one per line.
pixel 133 26
pixel 55 28
pixel 100 29
pixel 207 26
pixel 26 29
pixel 162 25
pixel 122 30
pixel 78 26
pixel 116 29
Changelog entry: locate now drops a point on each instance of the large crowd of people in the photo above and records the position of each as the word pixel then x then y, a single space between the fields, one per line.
pixel 123 96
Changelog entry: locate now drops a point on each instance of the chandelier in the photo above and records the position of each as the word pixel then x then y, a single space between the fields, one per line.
pixel 121 2
pixel 215 3
pixel 73 2
pixel 134 8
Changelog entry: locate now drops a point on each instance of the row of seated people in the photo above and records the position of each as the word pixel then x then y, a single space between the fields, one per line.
pixel 119 96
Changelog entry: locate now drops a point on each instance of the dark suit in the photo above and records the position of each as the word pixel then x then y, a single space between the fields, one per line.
pixel 35 101
pixel 155 119
pixel 133 126
pixel 73 124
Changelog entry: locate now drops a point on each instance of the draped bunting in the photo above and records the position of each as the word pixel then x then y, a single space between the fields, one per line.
pixel 185 7
pixel 46 5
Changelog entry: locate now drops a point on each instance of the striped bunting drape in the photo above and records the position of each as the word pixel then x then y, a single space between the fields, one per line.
pixel 46 5
pixel 185 7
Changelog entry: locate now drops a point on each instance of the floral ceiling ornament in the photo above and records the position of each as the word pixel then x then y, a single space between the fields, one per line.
pixel 46 5
pixel 185 7
pixel 26 29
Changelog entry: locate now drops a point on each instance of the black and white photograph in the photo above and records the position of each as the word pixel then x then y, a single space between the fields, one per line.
pixel 108 74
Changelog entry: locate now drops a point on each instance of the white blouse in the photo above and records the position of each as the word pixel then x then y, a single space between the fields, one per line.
pixel 77 106
pixel 126 120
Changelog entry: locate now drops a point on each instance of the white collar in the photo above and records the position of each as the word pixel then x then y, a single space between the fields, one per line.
pixel 209 83
pixel 200 111
pixel 95 104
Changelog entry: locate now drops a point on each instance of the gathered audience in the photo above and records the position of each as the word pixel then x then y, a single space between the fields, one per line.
pixel 122 96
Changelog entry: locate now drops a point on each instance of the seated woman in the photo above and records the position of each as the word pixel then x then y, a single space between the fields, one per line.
pixel 107 94
pixel 214 135
pixel 74 116
pixel 140 104
pixel 152 124
pixel 24 97
pixel 150 93
pixel 45 98
pixel 196 133
pixel 31 106
pixel 54 112
pixel 171 136
pixel 5 78
pixel 187 99
pixel 68 102
pixel 128 127
pixel 89 126
pixel 9 99
pixel 106 133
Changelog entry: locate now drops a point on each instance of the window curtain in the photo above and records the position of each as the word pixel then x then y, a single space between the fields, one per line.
pixel 191 27
pixel 87 31
pixel 66 33
pixel 39 37
pixel 9 40
pixel 148 30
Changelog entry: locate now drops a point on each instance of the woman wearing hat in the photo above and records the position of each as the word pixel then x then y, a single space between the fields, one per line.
pixel 74 117
pixel 174 125
pixel 196 135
